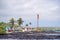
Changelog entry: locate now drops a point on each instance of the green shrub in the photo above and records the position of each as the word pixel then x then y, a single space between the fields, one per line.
pixel 2 30
pixel 20 31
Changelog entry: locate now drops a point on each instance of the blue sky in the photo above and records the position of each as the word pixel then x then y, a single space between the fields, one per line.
pixel 48 10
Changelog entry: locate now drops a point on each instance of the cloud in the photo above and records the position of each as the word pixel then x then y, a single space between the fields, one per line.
pixel 27 9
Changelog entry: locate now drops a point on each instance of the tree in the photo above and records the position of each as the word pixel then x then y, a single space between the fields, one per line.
pixel 2 29
pixel 26 24
pixel 2 23
pixel 12 22
pixel 20 21
pixel 30 23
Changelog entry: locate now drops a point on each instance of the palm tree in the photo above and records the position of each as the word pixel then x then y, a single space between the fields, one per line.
pixel 12 22
pixel 30 23
pixel 20 21
pixel 26 24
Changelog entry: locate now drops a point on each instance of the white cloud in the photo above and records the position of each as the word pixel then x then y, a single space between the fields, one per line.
pixel 28 9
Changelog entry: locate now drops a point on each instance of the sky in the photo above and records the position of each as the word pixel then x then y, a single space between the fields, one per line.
pixel 48 10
